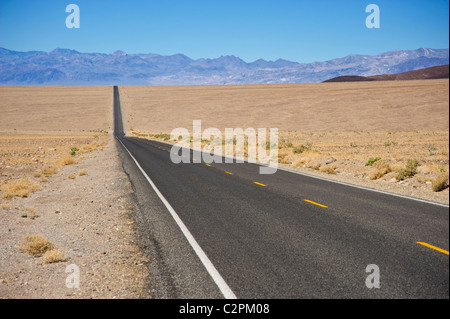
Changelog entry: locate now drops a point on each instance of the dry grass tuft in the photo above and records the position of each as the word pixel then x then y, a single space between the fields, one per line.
pixel 36 245
pixel 49 171
pixel 37 174
pixel 21 188
pixel 314 165
pixel 5 206
pixel 71 176
pixel 82 172
pixel 93 146
pixel 328 169
pixel 409 171
pixel 53 256
pixel 66 159
pixel 440 182
pixel 381 168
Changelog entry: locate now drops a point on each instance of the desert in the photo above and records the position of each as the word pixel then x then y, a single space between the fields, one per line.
pixel 394 122
pixel 65 199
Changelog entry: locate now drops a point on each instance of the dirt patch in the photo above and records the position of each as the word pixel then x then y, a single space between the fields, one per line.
pixel 82 224
pixel 55 109
pixel 400 106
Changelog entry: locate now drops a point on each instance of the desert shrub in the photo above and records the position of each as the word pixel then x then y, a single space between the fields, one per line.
pixel 442 169
pixel 372 160
pixel 5 206
pixel 53 256
pixel 18 188
pixel 381 168
pixel 73 151
pixel 315 166
pixel 283 157
pixel 37 174
pixel 93 146
pixel 65 159
pixel 71 176
pixel 36 245
pixel 48 171
pixel 389 143
pixel 432 150
pixel 82 172
pixel 440 182
pixel 165 137
pixel 302 148
pixel 328 169
pixel 409 171
pixel 285 144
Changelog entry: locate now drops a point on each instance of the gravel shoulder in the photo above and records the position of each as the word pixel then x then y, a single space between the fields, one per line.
pixel 90 219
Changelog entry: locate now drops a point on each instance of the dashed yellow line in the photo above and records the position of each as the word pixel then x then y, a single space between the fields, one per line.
pixel 310 201
pixel 433 247
pixel 228 173
pixel 259 184
pixel 207 165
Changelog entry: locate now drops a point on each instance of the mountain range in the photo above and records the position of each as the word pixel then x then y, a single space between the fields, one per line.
pixel 70 67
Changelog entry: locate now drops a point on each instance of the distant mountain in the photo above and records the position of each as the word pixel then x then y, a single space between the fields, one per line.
pixel 70 67
pixel 435 72
pixel 350 78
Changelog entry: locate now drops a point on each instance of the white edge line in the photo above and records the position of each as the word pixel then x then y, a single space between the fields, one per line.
pixel 215 275
pixel 364 188
pixel 330 180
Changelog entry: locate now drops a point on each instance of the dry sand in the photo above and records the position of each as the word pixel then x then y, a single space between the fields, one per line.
pixel 88 217
pixel 85 208
pixel 55 109
pixel 319 107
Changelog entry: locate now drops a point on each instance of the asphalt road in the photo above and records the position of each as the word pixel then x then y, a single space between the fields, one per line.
pixel 284 235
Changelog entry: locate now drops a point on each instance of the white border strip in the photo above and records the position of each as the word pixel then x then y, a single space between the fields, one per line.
pixel 326 179
pixel 220 282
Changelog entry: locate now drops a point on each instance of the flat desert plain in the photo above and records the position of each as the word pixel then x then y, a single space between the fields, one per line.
pixel 375 131
pixel 317 107
pixel 55 109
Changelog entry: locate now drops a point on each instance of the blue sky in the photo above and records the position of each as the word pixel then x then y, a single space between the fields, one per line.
pixel 296 30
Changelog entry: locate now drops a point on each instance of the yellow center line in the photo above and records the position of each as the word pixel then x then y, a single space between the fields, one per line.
pixel 229 173
pixel 207 165
pixel 309 201
pixel 434 247
pixel 259 184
